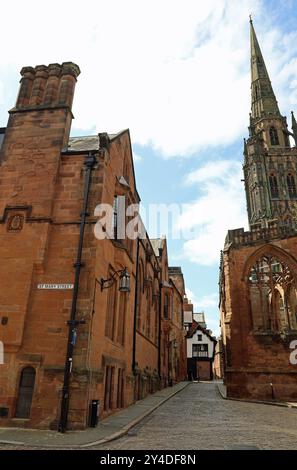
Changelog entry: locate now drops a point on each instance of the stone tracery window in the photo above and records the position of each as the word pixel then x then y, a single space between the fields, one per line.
pixel 273 136
pixel 291 185
pixel 273 186
pixel 273 295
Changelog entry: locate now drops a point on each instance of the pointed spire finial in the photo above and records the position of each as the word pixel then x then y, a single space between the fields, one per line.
pixel 263 97
pixel 251 19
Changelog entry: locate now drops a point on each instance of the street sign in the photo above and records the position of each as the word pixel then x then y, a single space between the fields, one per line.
pixel 55 286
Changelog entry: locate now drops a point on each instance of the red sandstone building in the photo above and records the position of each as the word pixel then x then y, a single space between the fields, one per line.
pixel 258 283
pixel 87 324
pixel 218 362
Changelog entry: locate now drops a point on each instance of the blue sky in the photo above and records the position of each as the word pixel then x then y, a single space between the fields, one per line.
pixel 176 73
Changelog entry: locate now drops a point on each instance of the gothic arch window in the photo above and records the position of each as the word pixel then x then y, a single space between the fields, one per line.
pixel 286 139
pixel 292 306
pixel 112 305
pixel 256 92
pixel 25 393
pixel 166 307
pixel 273 186
pixel 148 311
pixel 273 136
pixel 291 185
pixel 139 294
pixel 273 295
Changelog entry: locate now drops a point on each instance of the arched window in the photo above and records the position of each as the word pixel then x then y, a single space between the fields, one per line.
pixel 122 318
pixel 292 306
pixel 291 185
pixel 273 186
pixel 25 395
pixel 286 139
pixel 139 294
pixel 273 136
pixel 149 310
pixel 256 92
pixel 166 307
pixel 273 296
pixel 112 304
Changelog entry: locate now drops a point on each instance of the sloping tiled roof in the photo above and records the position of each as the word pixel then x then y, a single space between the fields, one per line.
pixel 83 143
pixel 175 270
pixel 86 143
pixel 195 326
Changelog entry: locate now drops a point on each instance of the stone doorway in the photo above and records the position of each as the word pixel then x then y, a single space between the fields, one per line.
pixel 26 389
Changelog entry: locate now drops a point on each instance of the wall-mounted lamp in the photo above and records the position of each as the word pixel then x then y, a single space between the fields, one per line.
pixel 124 277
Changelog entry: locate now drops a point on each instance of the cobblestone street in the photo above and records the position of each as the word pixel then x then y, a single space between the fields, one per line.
pixel 198 418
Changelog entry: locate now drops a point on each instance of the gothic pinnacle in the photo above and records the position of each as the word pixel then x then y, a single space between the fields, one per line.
pixel 294 127
pixel 245 152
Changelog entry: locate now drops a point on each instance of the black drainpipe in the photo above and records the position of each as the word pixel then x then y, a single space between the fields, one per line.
pixel 159 338
pixel 135 310
pixel 90 161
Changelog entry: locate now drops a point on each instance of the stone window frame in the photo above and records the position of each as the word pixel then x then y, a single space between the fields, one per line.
pixel 273 185
pixel 273 135
pixel 291 265
pixel 291 185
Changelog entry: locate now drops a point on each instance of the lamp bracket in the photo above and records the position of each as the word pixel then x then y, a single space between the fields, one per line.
pixel 106 283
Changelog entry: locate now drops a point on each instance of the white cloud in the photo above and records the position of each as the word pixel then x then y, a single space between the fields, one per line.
pixel 208 301
pixel 136 157
pixel 220 207
pixel 176 73
pixel 209 304
pixel 1 94
pixel 191 297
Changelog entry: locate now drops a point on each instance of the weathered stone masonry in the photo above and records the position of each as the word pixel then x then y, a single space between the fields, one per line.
pixel 258 279
pixel 41 194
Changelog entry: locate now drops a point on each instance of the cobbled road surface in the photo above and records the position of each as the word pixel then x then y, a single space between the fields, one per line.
pixel 198 418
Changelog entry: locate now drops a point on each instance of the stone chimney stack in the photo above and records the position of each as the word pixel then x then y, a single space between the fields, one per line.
pixel 38 129
pixel 47 86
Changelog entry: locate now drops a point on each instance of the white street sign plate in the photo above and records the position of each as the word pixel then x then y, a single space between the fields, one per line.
pixel 55 286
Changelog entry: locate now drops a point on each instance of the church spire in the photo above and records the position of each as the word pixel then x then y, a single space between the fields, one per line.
pixel 263 98
pixel 269 161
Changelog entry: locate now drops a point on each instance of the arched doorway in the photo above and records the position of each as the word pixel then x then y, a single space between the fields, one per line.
pixel 25 395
